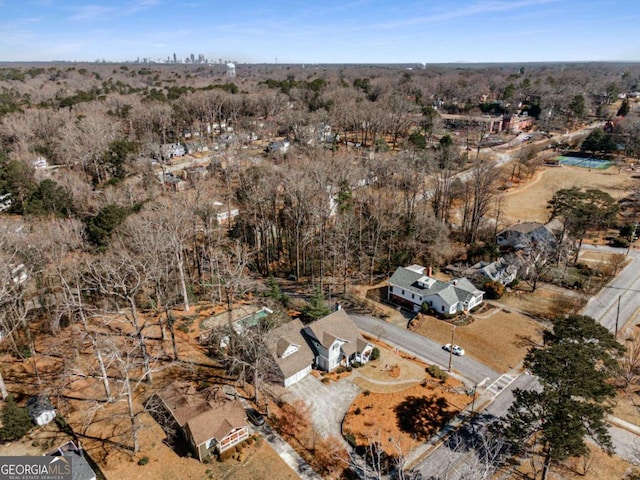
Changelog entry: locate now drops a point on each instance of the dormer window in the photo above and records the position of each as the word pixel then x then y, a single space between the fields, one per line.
pixel 291 349
pixel 426 282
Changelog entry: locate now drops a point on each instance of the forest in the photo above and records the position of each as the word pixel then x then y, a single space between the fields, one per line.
pixel 134 188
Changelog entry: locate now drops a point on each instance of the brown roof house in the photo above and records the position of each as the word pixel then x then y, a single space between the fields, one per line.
pixel 336 341
pixel 209 424
pixel 291 352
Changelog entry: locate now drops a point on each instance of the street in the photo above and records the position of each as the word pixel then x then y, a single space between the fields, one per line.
pixel 457 457
pixel 625 287
pixel 471 371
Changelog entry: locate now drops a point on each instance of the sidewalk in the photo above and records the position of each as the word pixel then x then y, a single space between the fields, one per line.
pixel 286 452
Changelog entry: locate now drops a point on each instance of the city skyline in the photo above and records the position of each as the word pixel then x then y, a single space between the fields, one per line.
pixel 358 31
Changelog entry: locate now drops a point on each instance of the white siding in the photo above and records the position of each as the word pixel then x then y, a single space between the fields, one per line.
pixel 297 377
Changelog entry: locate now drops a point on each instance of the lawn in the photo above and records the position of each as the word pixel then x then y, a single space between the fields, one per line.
pixel 400 404
pixel 498 338
pixel 528 202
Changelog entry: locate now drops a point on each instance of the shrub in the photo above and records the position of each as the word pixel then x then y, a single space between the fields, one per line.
pixel 493 290
pixel 357 411
pixel 620 242
pixel 226 455
pixel 15 421
pixel 366 393
pixel 351 439
pixel 325 380
pixel 341 369
pixel 437 373
pixel 143 460
pixel 375 353
pixel 356 364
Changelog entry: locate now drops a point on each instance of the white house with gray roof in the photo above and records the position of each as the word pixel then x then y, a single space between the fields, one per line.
pixel 410 285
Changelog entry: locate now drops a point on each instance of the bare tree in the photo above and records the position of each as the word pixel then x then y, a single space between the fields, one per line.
pixel 119 277
pixel 478 197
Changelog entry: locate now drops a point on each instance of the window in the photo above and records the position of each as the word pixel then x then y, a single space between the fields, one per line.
pixel 412 296
pixel 443 308
pixel 402 292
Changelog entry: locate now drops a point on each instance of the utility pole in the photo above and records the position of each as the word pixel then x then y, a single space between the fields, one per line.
pixel 453 331
pixel 615 335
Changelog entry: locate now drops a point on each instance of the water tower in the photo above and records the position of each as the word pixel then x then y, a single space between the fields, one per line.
pixel 231 70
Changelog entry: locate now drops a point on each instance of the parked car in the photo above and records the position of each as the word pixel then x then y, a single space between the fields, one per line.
pixel 455 349
pixel 255 417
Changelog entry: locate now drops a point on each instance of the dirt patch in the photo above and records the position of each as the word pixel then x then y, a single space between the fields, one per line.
pixel 400 419
pixel 498 339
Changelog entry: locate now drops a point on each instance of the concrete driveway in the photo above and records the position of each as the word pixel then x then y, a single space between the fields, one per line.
pixel 327 402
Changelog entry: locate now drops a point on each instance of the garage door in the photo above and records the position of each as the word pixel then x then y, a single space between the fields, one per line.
pixel 297 377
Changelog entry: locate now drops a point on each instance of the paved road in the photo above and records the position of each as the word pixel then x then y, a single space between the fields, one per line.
pixel 425 349
pixel 457 457
pixel 626 287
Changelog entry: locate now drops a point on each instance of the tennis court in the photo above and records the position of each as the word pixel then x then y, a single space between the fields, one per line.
pixel 595 163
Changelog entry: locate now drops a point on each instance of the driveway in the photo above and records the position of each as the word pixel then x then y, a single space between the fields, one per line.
pixel 327 402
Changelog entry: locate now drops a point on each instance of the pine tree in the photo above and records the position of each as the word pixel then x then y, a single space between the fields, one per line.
pixel 15 421
pixel 575 365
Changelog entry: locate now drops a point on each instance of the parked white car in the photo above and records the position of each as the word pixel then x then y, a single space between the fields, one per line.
pixel 455 349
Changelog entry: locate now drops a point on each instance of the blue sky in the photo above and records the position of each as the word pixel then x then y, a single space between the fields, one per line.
pixel 299 31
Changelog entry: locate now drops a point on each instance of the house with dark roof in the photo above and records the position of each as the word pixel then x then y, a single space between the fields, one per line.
pixel 80 468
pixel 525 235
pixel 410 286
pixel 501 271
pixel 41 410
pixel 208 424
pixel 290 351
pixel 336 341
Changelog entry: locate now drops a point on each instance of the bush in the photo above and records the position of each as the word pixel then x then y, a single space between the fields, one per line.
pixel 351 439
pixel 341 369
pixel 375 353
pixel 349 369
pixel 493 290
pixel 15 421
pixel 437 373
pixel 620 242
pixel 356 364
pixel 325 380
pixel 366 393
pixel 143 461
pixel 357 411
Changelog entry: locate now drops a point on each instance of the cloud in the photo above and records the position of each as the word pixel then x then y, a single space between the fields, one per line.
pixel 89 12
pixel 477 8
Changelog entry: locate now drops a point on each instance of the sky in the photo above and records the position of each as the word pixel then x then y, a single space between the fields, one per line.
pixel 331 31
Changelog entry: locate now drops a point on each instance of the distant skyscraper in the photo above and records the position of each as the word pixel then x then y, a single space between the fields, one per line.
pixel 193 58
pixel 175 59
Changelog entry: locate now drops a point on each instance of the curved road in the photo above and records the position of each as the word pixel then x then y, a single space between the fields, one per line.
pixel 425 349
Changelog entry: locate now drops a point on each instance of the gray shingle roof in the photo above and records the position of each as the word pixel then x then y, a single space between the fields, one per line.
pixel 338 325
pixel 280 339
pixel 457 290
